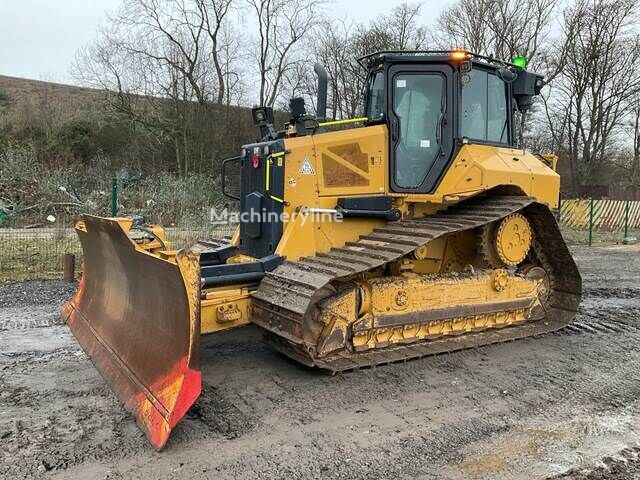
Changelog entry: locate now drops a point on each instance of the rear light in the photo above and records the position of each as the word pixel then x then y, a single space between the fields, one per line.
pixel 255 161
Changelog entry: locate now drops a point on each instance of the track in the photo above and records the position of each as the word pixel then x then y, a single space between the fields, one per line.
pixel 285 301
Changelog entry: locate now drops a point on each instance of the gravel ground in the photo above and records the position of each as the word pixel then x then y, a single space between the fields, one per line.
pixel 562 405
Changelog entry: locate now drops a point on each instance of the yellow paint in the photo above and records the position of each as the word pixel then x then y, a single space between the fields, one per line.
pixel 355 162
pixel 479 168
pixel 225 308
pixel 513 239
pixel 298 238
pixel 361 155
pixel 358 155
pixel 309 234
pixel 421 294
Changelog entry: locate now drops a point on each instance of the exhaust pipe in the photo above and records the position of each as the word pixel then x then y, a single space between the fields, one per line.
pixel 321 108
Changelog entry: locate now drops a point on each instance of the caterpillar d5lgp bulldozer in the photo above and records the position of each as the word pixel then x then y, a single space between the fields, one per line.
pixel 415 230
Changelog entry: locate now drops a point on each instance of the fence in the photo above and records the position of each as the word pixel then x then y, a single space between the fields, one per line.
pixel 33 243
pixel 37 212
pixel 37 253
pixel 589 220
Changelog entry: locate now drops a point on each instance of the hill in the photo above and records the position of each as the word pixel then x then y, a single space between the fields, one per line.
pixel 23 91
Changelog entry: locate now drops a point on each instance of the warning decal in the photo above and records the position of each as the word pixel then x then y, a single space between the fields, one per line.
pixel 306 168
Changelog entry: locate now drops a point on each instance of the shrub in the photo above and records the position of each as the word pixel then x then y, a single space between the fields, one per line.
pixel 77 137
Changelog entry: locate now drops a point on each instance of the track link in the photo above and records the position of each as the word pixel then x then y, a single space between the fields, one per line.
pixel 286 299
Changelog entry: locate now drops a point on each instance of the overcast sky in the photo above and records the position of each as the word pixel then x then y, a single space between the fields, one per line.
pixel 39 38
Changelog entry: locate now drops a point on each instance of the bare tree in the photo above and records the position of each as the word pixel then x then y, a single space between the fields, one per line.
pixel 585 106
pixel 335 50
pixel 339 48
pixel 464 25
pixel 633 126
pixel 213 12
pixel 282 25
pixel 163 63
pixel 401 29
pixel 498 28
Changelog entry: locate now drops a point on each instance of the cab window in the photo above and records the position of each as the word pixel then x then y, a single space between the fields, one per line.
pixel 375 105
pixel 484 113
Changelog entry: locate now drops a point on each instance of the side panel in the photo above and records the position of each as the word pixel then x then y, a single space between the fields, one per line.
pixel 356 153
pixel 352 162
pixel 479 168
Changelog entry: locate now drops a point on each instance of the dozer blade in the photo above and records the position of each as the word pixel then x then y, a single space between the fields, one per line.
pixel 137 317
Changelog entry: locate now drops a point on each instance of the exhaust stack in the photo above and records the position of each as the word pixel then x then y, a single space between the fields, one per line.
pixel 321 108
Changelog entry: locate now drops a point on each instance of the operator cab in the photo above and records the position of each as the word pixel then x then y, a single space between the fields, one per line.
pixel 435 102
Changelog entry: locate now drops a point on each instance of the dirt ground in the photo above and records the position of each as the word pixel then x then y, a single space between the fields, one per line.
pixel 562 405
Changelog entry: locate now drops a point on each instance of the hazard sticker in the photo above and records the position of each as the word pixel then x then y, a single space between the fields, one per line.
pixel 306 168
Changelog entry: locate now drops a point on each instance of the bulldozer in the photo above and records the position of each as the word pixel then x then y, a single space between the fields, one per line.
pixel 420 228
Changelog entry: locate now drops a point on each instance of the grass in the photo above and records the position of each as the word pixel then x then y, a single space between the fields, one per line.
pixel 600 237
pixel 35 258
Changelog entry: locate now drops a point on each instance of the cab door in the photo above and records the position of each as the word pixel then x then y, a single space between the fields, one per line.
pixel 420 110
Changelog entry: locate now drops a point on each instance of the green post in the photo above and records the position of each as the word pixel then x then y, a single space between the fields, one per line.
pixel 590 221
pixel 626 219
pixel 114 197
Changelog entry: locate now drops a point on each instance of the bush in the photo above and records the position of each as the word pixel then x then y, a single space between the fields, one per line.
pixel 171 200
pixel 77 137
pixel 63 192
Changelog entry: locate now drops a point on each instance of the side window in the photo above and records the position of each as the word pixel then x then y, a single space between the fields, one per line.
pixel 418 101
pixel 375 108
pixel 474 106
pixel 484 108
pixel 497 120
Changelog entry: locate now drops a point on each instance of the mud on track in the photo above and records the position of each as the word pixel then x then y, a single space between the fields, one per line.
pixel 563 405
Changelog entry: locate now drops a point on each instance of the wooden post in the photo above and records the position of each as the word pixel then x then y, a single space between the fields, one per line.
pixel 69 267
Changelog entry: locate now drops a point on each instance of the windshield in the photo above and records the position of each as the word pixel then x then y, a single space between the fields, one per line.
pixel 375 106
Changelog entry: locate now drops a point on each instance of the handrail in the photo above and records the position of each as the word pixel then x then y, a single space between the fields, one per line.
pixel 343 122
pixel 223 176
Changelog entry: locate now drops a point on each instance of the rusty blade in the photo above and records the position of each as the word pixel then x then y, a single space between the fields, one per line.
pixel 137 317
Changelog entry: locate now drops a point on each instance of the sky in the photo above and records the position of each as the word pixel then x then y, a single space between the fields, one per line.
pixel 39 38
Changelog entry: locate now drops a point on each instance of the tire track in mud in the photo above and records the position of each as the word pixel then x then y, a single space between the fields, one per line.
pixel 58 422
pixel 524 397
pixel 219 415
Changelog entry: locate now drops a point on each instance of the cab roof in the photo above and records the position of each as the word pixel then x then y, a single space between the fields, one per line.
pixel 376 59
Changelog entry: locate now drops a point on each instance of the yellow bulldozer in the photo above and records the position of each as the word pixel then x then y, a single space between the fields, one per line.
pixel 415 230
